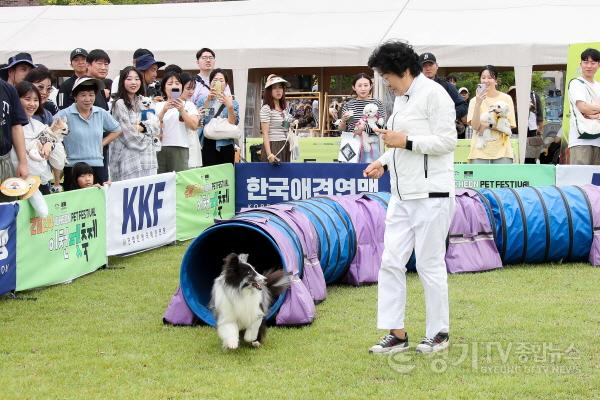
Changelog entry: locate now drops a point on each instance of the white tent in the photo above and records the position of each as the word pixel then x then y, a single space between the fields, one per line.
pixel 285 33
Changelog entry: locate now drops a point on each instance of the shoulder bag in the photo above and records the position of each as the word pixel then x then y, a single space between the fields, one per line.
pixel 219 128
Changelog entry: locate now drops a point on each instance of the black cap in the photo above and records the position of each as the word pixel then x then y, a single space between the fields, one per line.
pixel 427 57
pixel 78 52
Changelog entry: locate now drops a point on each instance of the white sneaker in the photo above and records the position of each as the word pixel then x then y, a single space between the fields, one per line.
pixel 390 344
pixel 440 342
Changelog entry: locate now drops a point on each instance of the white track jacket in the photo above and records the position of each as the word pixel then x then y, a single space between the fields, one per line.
pixel 426 167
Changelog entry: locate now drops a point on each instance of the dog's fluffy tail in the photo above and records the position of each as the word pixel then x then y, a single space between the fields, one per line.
pixel 277 282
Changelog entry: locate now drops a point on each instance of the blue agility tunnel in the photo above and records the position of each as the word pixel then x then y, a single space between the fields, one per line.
pixel 543 224
pixel 203 261
pixel 336 233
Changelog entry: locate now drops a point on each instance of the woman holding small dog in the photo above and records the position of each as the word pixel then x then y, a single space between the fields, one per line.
pixel 132 155
pixel 352 117
pixel 31 100
pixel 497 150
pixel 275 121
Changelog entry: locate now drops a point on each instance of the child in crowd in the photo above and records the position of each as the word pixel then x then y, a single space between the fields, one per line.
pixel 82 177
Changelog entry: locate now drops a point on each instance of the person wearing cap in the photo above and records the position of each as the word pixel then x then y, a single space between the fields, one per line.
pixel 149 67
pixel 12 121
pixel 430 67
pixel 421 139
pixel 17 68
pixel 464 93
pixel 79 65
pixel 275 121
pixel 91 129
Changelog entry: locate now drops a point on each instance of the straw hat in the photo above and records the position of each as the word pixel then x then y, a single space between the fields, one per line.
pixel 273 79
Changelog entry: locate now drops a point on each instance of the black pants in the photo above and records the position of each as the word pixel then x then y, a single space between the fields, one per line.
pixel 70 182
pixel 210 155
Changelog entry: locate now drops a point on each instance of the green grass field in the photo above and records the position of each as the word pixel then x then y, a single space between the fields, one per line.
pixel 525 332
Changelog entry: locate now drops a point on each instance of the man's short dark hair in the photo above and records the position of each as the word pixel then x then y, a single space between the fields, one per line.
pixel 173 68
pixel 395 57
pixel 97 54
pixel 590 53
pixel 204 50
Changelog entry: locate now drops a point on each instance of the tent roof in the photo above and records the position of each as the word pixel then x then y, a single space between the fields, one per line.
pixel 286 33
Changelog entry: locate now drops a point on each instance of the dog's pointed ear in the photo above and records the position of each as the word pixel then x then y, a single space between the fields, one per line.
pixel 243 258
pixel 231 259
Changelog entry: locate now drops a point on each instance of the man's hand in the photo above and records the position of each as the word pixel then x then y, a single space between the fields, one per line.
pixel 392 138
pixel 374 170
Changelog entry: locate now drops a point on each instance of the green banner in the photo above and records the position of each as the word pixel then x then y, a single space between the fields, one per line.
pixel 204 194
pixel 503 176
pixel 68 243
pixel 573 71
pixel 326 149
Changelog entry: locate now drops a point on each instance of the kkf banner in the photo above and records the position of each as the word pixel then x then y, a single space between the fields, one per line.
pixel 8 247
pixel 68 243
pixel 203 195
pixel 140 213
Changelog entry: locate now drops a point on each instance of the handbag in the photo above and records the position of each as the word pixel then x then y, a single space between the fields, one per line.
pixel 219 128
pixel 586 128
pixel 349 148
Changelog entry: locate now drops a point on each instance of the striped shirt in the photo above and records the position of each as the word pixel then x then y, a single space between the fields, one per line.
pixel 357 106
pixel 275 120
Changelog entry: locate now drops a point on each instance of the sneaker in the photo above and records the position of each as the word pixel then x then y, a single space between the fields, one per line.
pixel 56 189
pixel 440 342
pixel 390 344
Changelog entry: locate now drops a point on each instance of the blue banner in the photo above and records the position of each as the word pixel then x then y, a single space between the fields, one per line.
pixel 8 247
pixel 261 184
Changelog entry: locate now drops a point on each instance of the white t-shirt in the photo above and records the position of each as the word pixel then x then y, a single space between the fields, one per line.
pixel 174 131
pixel 579 92
pixel 39 168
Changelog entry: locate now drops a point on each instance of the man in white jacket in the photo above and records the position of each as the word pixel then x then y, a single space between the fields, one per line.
pixel 421 138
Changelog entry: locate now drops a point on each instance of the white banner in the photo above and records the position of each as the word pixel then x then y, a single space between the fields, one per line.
pixel 140 213
pixel 577 175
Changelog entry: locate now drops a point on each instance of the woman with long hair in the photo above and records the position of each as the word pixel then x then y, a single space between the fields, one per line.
pixel 177 117
pixel 275 121
pixel 498 150
pixel 189 86
pixel 218 151
pixel 30 98
pixel 132 155
pixel 352 117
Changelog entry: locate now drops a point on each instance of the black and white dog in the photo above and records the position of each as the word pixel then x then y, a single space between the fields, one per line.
pixel 241 298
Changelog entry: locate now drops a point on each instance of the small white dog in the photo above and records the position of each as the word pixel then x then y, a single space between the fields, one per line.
pixel 241 298
pixel 495 119
pixel 150 122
